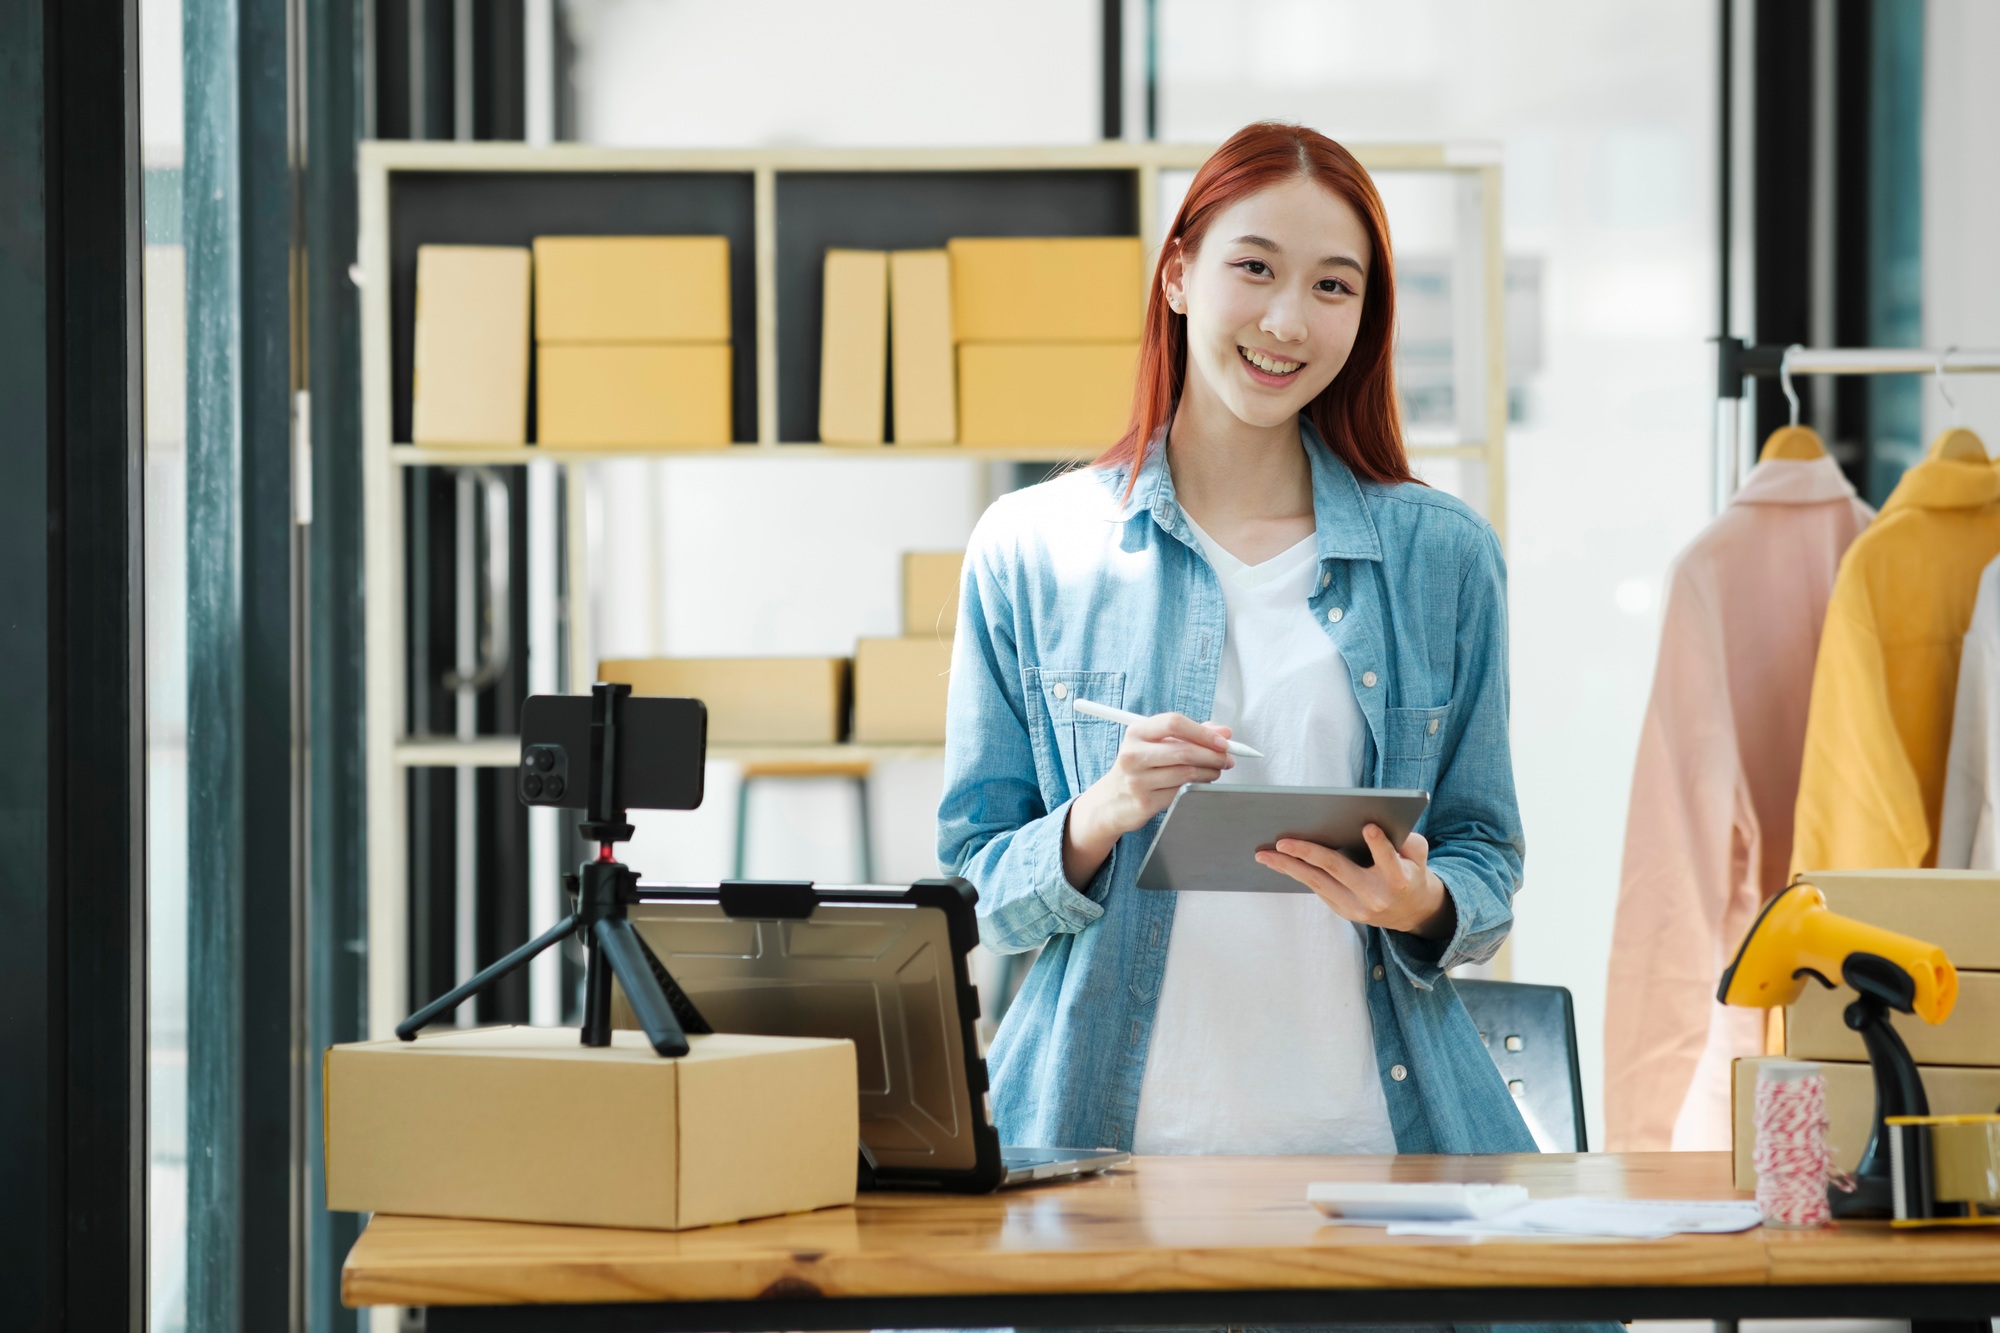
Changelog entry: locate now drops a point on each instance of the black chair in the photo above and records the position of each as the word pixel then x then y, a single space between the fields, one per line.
pixel 1530 1031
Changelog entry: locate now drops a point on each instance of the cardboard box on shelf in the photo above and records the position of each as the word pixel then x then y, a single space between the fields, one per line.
pixel 1850 1106
pixel 1045 393
pixel 470 358
pixel 1957 910
pixel 924 375
pixel 1047 289
pixel 899 690
pixel 631 289
pixel 751 700
pixel 485 1123
pixel 930 593
pixel 1815 1030
pixel 609 396
pixel 854 347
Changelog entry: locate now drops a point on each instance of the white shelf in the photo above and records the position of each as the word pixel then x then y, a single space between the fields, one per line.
pixel 410 455
pixel 505 752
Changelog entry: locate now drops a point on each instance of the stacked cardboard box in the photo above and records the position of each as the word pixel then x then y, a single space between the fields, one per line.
pixel 469 384
pixel 1048 337
pixel 751 700
pixel 1958 910
pixel 632 341
pixel 900 685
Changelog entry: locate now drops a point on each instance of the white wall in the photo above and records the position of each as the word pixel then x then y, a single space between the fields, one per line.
pixel 1962 203
pixel 1605 113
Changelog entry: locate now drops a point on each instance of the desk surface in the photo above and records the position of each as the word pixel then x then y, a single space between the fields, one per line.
pixel 1164 1225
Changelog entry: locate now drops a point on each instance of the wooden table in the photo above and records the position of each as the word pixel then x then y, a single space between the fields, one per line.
pixel 1206 1241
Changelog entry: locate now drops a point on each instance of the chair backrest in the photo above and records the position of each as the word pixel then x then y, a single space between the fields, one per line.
pixel 1530 1031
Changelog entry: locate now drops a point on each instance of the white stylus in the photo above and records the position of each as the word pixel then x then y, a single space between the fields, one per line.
pixel 1119 715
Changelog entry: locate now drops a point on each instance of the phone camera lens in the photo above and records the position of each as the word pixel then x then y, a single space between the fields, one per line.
pixel 531 786
pixel 544 760
pixel 552 787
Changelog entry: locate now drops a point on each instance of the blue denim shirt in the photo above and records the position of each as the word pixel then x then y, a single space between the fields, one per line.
pixel 1072 584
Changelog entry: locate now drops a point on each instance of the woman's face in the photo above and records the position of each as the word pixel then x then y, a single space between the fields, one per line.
pixel 1273 299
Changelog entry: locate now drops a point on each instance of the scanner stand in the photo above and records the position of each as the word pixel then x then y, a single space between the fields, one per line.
pixel 1880 986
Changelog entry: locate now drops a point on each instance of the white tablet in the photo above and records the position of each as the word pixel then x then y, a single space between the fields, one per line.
pixel 1212 834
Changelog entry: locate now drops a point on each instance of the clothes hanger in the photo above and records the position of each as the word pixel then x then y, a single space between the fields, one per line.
pixel 1956 444
pixel 1795 442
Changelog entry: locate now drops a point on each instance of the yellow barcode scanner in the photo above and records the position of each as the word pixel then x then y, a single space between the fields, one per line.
pixel 1796 937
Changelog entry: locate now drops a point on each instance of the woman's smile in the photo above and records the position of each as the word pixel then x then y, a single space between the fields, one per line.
pixel 1265 368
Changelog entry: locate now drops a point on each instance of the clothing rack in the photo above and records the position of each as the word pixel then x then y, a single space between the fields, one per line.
pixel 1738 362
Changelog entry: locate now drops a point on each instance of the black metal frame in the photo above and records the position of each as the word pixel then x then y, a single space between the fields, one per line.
pixel 72 794
pixel 1423 1305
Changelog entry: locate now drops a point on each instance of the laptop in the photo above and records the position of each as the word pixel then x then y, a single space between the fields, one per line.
pixel 884 967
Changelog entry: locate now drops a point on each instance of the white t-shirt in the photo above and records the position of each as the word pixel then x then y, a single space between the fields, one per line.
pixel 1262 1042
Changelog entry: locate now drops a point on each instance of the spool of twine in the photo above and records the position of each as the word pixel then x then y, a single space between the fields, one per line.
pixel 1791 1157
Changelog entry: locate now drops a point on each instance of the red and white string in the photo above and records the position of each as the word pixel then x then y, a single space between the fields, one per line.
pixel 1793 1162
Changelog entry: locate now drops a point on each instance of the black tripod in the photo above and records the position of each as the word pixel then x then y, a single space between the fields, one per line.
pixel 601 891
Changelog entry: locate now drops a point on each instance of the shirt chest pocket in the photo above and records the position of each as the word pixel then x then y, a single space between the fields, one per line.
pixel 1072 750
pixel 1412 745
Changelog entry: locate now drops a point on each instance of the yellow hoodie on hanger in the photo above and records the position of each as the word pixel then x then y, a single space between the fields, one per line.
pixel 1879 726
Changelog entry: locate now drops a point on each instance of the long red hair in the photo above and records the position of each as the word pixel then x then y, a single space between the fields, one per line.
pixel 1356 414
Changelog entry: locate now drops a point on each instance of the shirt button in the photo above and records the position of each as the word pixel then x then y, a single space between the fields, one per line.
pixel 1326 577
pixel 1333 616
pixel 1433 727
pixel 1378 973
pixel 1398 1073
pixel 1368 679
pixel 1061 691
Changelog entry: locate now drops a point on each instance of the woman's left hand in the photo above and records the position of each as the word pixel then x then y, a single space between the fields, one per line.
pixel 1399 892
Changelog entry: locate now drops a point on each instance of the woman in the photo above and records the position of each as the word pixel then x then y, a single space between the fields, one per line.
pixel 1255 554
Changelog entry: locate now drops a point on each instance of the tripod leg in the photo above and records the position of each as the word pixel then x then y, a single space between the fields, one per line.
pixel 618 945
pixel 450 1000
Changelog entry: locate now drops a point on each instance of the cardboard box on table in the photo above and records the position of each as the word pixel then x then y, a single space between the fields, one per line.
pixel 930 593
pixel 1957 910
pixel 750 700
pixel 854 346
pixel 900 686
pixel 1850 1105
pixel 469 382
pixel 632 341
pixel 527 1125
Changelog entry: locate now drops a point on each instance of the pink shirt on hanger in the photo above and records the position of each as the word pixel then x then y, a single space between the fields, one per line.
pixel 1709 833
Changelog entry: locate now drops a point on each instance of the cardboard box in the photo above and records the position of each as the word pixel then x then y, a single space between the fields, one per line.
pixel 1850 1106
pixel 899 690
pixel 631 289
pixel 1814 1029
pixel 642 394
pixel 1047 289
pixel 1045 393
pixel 527 1125
pixel 470 381
pixel 930 593
pixel 751 700
pixel 854 347
pixel 1957 910
pixel 923 372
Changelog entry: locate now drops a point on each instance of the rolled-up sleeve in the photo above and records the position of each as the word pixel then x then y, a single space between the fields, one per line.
pixel 994 828
pixel 1474 821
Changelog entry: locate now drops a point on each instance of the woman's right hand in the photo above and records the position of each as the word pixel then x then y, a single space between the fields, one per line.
pixel 1157 757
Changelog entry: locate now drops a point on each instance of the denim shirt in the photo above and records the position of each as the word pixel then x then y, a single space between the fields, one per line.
pixel 1073 591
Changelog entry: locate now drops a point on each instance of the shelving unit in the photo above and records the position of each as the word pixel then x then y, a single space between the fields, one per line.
pixel 780 208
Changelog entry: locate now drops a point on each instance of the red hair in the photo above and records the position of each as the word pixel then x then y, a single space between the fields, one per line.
pixel 1357 414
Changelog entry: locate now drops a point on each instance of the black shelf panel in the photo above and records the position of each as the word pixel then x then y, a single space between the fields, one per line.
pixel 914 210
pixel 514 207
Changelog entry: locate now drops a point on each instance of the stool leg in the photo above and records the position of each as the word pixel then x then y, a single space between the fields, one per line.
pixel 742 825
pixel 866 839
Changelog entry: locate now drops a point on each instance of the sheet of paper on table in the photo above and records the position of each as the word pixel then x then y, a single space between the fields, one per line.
pixel 1628 1219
